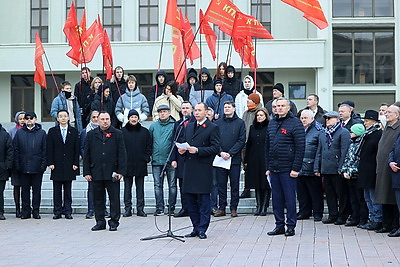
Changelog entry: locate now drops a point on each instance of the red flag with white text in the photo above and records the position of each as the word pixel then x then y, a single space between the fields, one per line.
pixel 179 56
pixel 211 37
pixel 191 48
pixel 312 11
pixel 40 76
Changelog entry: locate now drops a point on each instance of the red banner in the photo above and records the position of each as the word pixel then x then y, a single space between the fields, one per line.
pixel 211 37
pixel 71 29
pixel 107 56
pixel 39 77
pixel 312 11
pixel 222 13
pixel 246 25
pixel 172 15
pixel 179 56
pixel 245 48
pixel 191 48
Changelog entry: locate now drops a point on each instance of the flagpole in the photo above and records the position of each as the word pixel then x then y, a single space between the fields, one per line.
pixel 51 72
pixel 229 51
pixel 255 50
pixel 219 33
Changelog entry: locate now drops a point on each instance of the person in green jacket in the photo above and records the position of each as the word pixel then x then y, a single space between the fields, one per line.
pixel 161 133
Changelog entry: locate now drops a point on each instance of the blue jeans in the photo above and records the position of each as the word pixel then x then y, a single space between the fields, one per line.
pixel 375 210
pixel 159 186
pixel 284 193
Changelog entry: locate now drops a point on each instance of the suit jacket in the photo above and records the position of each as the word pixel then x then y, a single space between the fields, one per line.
pixel 198 167
pixel 104 154
pixel 61 155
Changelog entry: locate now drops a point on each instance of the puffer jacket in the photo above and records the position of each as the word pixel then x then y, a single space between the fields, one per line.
pixel 131 100
pixel 60 103
pixel 313 132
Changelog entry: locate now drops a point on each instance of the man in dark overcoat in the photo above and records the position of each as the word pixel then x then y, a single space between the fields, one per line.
pixel 138 149
pixel 6 162
pixel 63 161
pixel 203 137
pixel 104 163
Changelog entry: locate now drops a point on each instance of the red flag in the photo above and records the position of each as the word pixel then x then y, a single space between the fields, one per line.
pixel 40 77
pixel 191 48
pixel 211 37
pixel 222 13
pixel 91 39
pixel 246 25
pixel 179 56
pixel 71 28
pixel 107 56
pixel 82 25
pixel 245 48
pixel 172 16
pixel 312 11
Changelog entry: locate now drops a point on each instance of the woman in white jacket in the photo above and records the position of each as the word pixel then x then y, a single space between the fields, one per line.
pixel 170 98
pixel 241 97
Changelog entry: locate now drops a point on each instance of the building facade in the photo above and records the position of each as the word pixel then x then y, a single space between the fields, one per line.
pixel 354 58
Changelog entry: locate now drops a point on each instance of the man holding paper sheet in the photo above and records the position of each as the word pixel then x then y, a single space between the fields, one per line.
pixel 234 131
pixel 203 137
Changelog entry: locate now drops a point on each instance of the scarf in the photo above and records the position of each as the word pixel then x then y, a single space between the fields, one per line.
pixel 373 128
pixel 91 125
pixel 252 107
pixel 329 133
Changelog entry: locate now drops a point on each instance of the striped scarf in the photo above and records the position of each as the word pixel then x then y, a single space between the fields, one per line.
pixel 330 131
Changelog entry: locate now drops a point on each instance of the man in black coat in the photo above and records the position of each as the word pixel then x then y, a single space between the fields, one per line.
pixel 203 138
pixel 138 149
pixel 346 116
pixel 233 130
pixel 63 161
pixel 6 162
pixel 177 160
pixel 104 164
pixel 30 160
pixel 231 85
pixel 284 152
pixel 81 92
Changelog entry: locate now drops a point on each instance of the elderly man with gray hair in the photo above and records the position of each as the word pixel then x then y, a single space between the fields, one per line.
pixel 309 186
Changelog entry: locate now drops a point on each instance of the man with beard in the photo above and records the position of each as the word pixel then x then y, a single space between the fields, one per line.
pixel 104 163
pixel 82 90
pixel 138 149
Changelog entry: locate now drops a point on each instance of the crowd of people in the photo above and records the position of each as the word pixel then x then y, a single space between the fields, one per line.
pixel 293 156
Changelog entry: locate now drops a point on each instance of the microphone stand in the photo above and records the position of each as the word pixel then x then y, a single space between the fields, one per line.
pixel 169 233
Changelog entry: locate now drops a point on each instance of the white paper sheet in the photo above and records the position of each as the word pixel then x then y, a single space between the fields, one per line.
pixel 182 145
pixel 220 162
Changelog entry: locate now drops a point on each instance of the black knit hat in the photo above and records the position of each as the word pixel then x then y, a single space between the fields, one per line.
pixel 279 87
pixel 133 112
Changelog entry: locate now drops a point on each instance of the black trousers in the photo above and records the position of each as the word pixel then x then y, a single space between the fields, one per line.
pixel 336 195
pixel 99 189
pixel 310 196
pixel 359 207
pixel 390 216
pixel 28 181
pixel 2 187
pixel 183 195
pixel 139 183
pixel 61 207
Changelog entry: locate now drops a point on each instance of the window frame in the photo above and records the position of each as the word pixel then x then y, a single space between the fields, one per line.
pixel 41 29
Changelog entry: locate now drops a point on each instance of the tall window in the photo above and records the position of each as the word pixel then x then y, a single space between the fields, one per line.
pixel 22 94
pixel 40 20
pixel 363 57
pixel 362 8
pixel 189 9
pixel 148 20
pixel 112 19
pixel 261 10
pixel 49 94
pixel 79 6
pixel 265 82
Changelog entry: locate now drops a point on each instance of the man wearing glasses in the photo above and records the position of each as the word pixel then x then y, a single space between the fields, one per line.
pixel 30 160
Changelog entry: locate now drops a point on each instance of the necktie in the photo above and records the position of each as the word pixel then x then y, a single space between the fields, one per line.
pixel 64 134
pixel 343 124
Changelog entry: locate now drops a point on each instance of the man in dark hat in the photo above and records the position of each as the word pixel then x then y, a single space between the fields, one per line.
pixel 347 116
pixel 30 159
pixel 162 134
pixel 278 91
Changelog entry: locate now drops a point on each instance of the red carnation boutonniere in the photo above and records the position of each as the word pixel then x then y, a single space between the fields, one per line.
pixel 108 135
pixel 284 131
pixel 204 125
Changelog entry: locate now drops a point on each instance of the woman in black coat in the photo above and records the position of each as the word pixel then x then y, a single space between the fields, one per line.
pixel 6 162
pixel 254 161
pixel 103 101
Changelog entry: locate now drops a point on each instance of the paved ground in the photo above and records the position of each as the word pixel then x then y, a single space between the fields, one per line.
pixel 240 241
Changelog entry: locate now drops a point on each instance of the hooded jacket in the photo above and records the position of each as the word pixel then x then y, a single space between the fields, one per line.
pixel 13 130
pixel 116 84
pixel 107 105
pixel 157 89
pixel 82 90
pixel 131 100
pixel 60 103
pixel 216 101
pixel 185 88
pixel 232 85
pixel 202 90
pixel 243 95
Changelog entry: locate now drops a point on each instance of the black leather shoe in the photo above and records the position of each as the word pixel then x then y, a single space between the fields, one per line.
pixel 99 227
pixel 113 228
pixel 317 219
pixel 127 213
pixel 372 226
pixel 202 235
pixel 383 230
pixel 340 221
pixel 351 223
pixel 277 231
pixel 330 220
pixel 36 216
pixel 192 234
pixel 2 217
pixel 302 217
pixel 89 215
pixel 290 232
pixel 141 213
pixel 56 217
pixel 181 213
pixel 68 217
pixel 25 216
pixel 394 234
